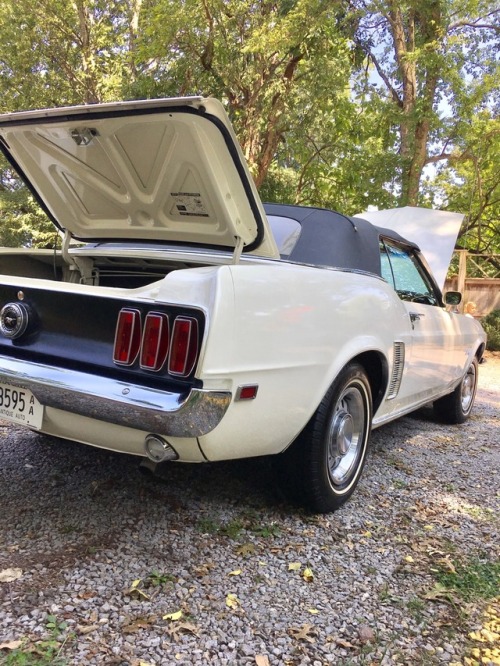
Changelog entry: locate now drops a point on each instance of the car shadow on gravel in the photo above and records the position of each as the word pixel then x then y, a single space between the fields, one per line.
pixel 249 482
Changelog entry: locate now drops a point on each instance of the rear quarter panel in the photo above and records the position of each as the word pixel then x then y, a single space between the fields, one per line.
pixel 290 329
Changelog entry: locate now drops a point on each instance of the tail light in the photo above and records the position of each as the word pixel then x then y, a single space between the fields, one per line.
pixel 127 337
pixel 155 340
pixel 158 343
pixel 184 347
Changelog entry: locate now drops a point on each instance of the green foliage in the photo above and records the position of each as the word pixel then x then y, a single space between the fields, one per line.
pixel 470 183
pixel 435 69
pixel 22 222
pixel 45 652
pixel 158 579
pixel 42 656
pixel 328 111
pixel 491 324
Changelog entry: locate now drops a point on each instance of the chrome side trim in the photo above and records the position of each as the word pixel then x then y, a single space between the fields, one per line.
pixel 190 414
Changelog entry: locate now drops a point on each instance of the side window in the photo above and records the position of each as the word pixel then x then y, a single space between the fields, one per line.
pixel 401 269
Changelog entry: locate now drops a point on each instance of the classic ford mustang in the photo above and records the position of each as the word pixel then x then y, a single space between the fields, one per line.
pixel 182 319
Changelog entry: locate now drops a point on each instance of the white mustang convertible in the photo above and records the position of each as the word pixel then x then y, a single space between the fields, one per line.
pixel 182 319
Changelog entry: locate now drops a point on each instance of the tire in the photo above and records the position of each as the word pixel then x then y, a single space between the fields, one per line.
pixel 325 462
pixel 456 406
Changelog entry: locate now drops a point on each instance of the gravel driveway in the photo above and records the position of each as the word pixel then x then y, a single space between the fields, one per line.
pixel 209 565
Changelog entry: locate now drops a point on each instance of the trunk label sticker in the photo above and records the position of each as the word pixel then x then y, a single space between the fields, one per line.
pixel 189 204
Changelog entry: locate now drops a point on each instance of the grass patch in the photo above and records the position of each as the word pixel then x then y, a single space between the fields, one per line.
pixel 39 655
pixel 416 608
pixel 207 526
pixel 158 579
pixel 472 580
pixel 234 529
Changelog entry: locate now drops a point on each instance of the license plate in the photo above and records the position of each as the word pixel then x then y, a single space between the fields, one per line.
pixel 20 406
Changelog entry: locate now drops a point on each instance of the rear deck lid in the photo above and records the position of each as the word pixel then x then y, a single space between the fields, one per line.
pixel 167 170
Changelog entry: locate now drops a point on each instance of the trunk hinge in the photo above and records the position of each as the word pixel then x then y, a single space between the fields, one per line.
pixel 81 269
pixel 238 249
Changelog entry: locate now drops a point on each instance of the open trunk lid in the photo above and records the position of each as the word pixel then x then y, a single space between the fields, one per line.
pixel 167 170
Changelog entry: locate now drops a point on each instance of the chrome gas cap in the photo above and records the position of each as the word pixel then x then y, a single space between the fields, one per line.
pixel 14 320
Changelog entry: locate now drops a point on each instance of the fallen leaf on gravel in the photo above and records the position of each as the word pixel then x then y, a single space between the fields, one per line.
pixel 341 642
pixel 86 629
pixel 447 564
pixel 308 575
pixel 176 630
pixel 236 572
pixel 10 645
pixel 9 575
pixel 133 625
pixel 366 634
pixel 294 566
pixel 173 616
pixel 86 595
pixel 261 660
pixel 409 558
pixel 135 589
pixel 245 549
pixel 306 633
pixel 204 569
pixel 440 593
pixel 313 611
pixel 13 549
pixel 232 601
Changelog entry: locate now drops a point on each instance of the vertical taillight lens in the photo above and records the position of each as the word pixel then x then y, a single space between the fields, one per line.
pixel 183 346
pixel 155 340
pixel 127 337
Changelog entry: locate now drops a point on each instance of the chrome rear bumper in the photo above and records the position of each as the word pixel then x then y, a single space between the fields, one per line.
pixel 189 414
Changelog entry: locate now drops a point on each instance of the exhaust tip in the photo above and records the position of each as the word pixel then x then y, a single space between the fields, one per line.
pixel 158 449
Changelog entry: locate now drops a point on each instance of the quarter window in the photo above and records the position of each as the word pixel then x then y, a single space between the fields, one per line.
pixel 286 232
pixel 401 268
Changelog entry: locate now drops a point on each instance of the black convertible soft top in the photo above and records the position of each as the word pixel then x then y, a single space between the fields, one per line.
pixel 328 238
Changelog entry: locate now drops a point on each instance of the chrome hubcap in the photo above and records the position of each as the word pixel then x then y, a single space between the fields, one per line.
pixel 468 388
pixel 345 436
pixel 342 431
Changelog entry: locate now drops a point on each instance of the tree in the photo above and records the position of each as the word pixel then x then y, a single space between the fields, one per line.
pixel 470 182
pixel 435 65
pixel 276 63
pixel 56 53
pixel 341 104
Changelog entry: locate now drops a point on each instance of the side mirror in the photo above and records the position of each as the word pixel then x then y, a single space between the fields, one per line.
pixel 453 298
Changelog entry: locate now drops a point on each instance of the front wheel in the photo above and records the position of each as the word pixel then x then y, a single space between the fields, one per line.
pixel 457 406
pixel 330 453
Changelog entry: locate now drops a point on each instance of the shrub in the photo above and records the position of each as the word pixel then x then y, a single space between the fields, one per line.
pixel 491 324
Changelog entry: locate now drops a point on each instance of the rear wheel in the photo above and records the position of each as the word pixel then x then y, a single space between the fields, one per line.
pixel 457 406
pixel 328 456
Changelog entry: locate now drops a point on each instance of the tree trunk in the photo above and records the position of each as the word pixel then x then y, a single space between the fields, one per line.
pixel 85 20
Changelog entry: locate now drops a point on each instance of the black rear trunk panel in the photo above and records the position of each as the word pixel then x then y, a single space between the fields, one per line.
pixel 77 331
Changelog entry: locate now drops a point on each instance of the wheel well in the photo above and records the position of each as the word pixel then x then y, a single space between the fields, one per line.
pixel 377 370
pixel 480 352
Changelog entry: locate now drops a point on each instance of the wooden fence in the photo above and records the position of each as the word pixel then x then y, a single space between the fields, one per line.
pixel 478 279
